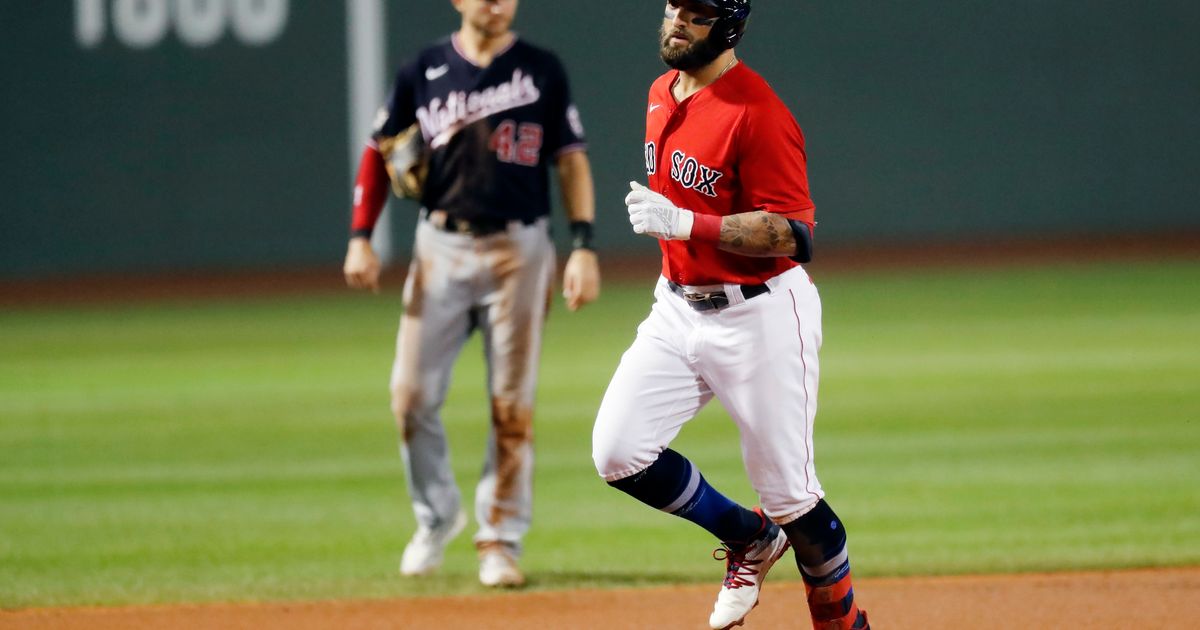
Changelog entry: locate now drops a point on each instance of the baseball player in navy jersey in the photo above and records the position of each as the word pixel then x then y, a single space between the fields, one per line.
pixel 495 112
pixel 735 317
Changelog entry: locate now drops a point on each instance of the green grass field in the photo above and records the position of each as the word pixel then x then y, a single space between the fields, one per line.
pixel 971 421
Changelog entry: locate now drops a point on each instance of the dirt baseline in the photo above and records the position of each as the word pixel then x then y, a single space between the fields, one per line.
pixel 1150 598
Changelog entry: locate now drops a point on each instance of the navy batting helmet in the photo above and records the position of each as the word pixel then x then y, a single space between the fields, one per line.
pixel 730 23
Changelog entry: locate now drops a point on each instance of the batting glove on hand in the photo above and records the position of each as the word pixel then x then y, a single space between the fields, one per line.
pixel 653 214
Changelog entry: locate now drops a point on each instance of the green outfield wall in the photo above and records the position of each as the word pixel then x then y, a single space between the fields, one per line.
pixel 162 135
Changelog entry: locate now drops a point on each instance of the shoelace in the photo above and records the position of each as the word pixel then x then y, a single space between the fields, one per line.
pixel 738 569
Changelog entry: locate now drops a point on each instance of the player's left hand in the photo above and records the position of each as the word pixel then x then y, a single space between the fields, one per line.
pixel 581 279
pixel 653 214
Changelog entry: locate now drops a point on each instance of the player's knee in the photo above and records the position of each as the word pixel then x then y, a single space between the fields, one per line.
pixel 404 405
pixel 511 419
pixel 818 537
pixel 613 457
pixel 606 459
pixel 616 452
pixel 403 401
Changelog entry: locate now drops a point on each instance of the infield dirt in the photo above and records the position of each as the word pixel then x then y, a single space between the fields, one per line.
pixel 1149 598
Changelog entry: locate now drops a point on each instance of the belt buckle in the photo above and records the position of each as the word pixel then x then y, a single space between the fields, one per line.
pixel 706 301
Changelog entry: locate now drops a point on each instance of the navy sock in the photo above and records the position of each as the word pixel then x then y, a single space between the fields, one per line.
pixel 672 484
pixel 819 543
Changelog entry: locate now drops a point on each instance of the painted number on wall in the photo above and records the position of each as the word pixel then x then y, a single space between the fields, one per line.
pixel 198 23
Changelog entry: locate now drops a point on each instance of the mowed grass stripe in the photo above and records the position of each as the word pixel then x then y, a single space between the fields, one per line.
pixel 970 421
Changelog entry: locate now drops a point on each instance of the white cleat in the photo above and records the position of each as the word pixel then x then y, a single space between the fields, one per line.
pixel 425 551
pixel 745 571
pixel 498 566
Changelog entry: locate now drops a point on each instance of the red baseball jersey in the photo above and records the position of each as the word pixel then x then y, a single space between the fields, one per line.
pixel 730 148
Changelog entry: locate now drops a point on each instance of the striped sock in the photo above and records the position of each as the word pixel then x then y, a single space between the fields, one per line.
pixel 831 600
pixel 819 542
pixel 672 484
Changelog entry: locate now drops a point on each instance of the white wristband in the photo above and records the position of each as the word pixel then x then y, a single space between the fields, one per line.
pixel 686 219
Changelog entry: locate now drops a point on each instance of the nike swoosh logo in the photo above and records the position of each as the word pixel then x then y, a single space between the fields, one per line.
pixel 432 74
pixel 652 108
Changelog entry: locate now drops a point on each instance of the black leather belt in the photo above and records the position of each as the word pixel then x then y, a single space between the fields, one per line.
pixel 479 226
pixel 713 300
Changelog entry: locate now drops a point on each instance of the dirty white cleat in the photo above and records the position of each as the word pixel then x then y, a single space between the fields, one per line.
pixel 498 565
pixel 425 551
pixel 745 570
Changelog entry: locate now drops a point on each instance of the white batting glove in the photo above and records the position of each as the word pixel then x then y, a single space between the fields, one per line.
pixel 653 214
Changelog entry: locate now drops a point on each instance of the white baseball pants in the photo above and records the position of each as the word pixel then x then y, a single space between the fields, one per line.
pixel 757 356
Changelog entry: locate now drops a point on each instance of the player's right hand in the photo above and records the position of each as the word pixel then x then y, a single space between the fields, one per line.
pixel 362 265
pixel 653 214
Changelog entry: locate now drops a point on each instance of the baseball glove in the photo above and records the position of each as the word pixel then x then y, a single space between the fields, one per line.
pixel 407 161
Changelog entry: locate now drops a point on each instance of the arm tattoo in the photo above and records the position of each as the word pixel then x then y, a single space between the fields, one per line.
pixel 757 234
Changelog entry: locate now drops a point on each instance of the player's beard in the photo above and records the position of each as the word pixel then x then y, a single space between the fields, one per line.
pixel 696 55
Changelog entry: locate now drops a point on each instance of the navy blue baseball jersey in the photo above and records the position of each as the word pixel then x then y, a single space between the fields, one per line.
pixel 492 132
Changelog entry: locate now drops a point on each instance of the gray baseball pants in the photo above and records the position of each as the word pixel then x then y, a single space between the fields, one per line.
pixel 499 284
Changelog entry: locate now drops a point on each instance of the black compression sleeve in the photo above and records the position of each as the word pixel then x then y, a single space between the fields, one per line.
pixel 804 241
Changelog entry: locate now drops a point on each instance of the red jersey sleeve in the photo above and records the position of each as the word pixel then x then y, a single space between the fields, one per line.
pixel 772 164
pixel 370 193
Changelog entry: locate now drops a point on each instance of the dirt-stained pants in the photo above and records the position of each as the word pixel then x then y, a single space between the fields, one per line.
pixel 457 283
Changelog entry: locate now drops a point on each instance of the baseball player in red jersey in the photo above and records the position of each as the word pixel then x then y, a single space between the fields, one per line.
pixel 495 113
pixel 735 317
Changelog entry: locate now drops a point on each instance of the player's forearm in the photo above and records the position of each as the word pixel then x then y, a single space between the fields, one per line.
pixel 370 193
pixel 759 234
pixel 578 191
